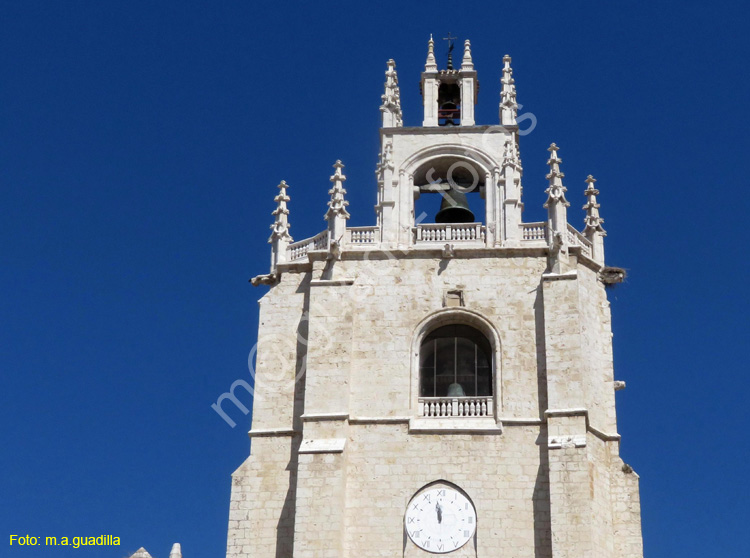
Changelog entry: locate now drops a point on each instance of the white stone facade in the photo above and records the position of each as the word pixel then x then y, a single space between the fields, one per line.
pixel 341 440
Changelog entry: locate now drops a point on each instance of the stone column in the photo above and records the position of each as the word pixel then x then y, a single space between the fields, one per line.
pixel 468 86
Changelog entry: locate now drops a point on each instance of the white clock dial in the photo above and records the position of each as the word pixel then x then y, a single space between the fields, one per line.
pixel 440 520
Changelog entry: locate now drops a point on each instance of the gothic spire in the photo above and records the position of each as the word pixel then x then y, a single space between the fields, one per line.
pixel 592 220
pixel 594 230
pixel 431 64
pixel 466 62
pixel 281 225
pixel 391 107
pixel 337 205
pixel 557 214
pixel 508 103
pixel 176 551
pixel 556 191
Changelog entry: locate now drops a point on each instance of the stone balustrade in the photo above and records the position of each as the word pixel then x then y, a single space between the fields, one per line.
pixel 470 233
pixel 362 235
pixel 298 250
pixel 576 238
pixel 449 232
pixel 532 232
pixel 441 407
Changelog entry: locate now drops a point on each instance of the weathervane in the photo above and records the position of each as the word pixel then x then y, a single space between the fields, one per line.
pixel 450 49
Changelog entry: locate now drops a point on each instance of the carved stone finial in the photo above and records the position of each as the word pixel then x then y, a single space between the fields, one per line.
pixel 466 62
pixel 281 224
pixel 593 230
pixel 508 102
pixel 431 63
pixel 391 106
pixel 176 551
pixel 556 191
pixel 280 237
pixel 337 205
pixel 511 156
pixel 557 213
pixel 385 161
pixel 592 220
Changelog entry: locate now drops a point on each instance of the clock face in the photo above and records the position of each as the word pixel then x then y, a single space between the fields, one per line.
pixel 440 520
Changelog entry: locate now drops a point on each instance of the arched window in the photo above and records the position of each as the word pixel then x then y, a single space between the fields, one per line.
pixel 455 360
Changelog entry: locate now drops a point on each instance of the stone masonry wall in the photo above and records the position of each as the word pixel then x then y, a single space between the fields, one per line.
pixel 596 338
pixel 544 486
pixel 504 475
pixel 392 297
pixel 281 352
pixel 261 513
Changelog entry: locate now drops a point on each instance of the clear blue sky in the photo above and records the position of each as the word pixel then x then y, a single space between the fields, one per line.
pixel 140 146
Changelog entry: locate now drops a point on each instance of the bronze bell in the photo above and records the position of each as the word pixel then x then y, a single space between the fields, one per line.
pixel 456 390
pixel 454 208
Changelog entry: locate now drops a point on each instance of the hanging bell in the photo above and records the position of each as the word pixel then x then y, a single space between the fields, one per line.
pixel 456 390
pixel 454 208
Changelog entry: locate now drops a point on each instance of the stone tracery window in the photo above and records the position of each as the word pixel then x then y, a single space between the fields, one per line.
pixel 455 361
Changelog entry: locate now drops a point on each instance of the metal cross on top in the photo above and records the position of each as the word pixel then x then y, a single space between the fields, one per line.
pixel 450 40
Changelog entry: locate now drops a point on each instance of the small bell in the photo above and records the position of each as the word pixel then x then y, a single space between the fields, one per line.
pixel 455 390
pixel 454 209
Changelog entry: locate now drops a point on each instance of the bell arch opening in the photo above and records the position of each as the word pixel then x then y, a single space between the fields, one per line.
pixel 449 189
pixel 482 364
pixel 455 361
pixel 449 104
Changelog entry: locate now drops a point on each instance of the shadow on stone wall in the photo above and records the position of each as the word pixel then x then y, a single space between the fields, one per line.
pixel 541 502
pixel 285 526
pixel 541 362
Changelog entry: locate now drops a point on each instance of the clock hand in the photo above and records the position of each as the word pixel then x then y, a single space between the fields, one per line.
pixel 439 512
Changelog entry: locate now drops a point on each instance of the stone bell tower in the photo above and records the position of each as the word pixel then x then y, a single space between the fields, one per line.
pixel 438 384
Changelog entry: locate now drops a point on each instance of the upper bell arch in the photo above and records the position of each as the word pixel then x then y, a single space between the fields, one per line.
pixel 450 167
pixel 469 153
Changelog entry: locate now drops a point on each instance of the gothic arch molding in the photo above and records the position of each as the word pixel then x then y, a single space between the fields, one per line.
pixel 456 163
pixel 460 151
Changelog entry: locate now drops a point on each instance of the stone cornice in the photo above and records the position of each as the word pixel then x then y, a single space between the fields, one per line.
pixel 314 417
pixel 272 432
pixel 379 420
pixel 447 130
pixel 575 412
pixel 459 425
